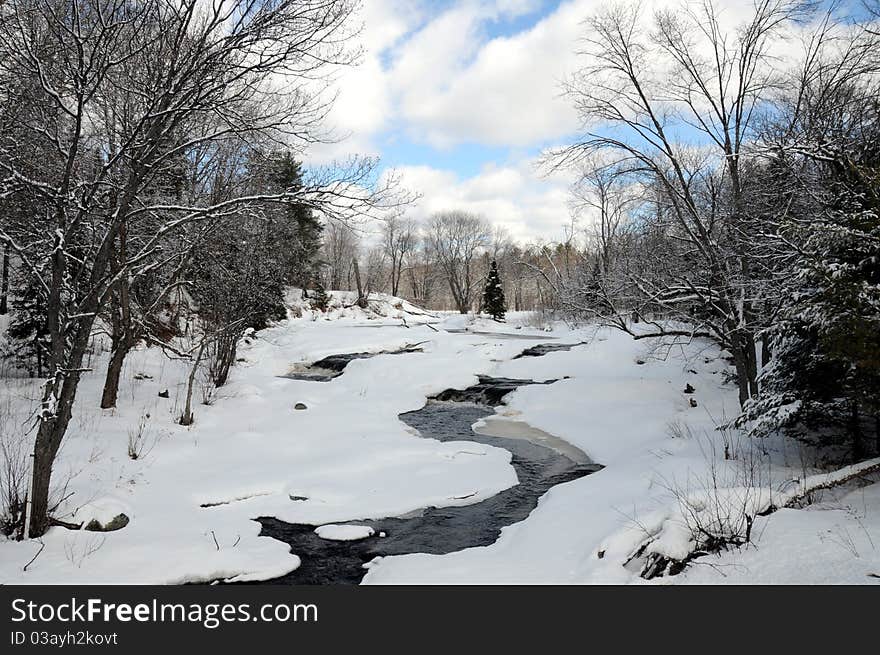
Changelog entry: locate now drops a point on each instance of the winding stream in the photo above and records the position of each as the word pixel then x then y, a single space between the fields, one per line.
pixel 541 461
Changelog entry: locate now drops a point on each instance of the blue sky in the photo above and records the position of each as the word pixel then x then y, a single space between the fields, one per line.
pixel 462 96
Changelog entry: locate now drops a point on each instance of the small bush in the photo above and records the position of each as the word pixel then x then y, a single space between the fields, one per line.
pixel 140 439
pixel 13 477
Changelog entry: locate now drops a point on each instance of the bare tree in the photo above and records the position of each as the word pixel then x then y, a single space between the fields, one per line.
pixel 604 199
pixel 457 239
pixel 399 239
pixel 421 271
pixel 688 71
pixel 341 244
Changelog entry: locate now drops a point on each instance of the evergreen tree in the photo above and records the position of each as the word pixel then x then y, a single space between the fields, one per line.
pixel 319 299
pixel 28 329
pixel 493 294
pixel 297 225
pixel 822 385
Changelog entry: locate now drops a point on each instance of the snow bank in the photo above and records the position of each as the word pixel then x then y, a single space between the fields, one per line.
pixel 343 305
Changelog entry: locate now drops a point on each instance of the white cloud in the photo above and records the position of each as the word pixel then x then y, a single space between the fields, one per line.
pixel 504 91
pixel 364 104
pixel 442 80
pixel 514 196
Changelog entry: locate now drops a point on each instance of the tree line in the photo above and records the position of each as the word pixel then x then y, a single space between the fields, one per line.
pixel 441 262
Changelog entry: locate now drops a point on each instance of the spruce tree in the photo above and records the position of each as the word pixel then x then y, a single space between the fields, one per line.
pixel 28 328
pixel 319 299
pixel 299 227
pixel 493 294
pixel 822 384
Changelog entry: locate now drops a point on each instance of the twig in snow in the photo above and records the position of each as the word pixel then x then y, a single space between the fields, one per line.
pixel 34 558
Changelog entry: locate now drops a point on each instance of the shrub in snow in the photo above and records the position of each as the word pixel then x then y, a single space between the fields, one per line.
pixel 318 298
pixel 13 478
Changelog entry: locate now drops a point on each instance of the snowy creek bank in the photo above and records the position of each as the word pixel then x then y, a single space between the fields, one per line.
pixel 540 460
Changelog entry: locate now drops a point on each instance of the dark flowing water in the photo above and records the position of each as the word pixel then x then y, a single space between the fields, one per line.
pixel 544 348
pixel 333 366
pixel 437 530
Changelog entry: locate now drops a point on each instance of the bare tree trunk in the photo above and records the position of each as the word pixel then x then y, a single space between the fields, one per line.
pixel 110 393
pixel 121 344
pixel 396 272
pixel 766 353
pixel 49 436
pixel 4 290
pixel 745 361
pixel 187 417
pixel 362 299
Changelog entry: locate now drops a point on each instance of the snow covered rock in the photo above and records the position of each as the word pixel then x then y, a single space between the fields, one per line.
pixel 104 515
pixel 335 532
pixel 116 523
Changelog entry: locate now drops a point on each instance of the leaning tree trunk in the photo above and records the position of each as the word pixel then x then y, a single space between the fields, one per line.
pixel 57 411
pixel 362 299
pixel 114 372
pixel 187 417
pixel 65 362
pixel 122 329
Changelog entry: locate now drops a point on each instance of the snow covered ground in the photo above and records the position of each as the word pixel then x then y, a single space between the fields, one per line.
pixel 192 494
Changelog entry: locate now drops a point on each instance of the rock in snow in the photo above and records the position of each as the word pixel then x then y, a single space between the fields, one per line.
pixel 335 532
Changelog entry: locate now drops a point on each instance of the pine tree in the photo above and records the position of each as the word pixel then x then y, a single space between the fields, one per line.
pixel 319 299
pixel 493 294
pixel 822 385
pixel 300 228
pixel 28 329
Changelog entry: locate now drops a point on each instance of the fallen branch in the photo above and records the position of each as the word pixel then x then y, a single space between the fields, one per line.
pixel 34 558
pixel 657 564
pixel 829 481
pixel 65 524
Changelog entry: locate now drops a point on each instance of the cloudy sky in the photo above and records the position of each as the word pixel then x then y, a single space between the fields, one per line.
pixel 460 97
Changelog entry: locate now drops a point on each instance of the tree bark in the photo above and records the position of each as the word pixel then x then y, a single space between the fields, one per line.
pixel 766 352
pixel 745 361
pixel 187 417
pixel 114 372
pixel 362 299
pixel 4 290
